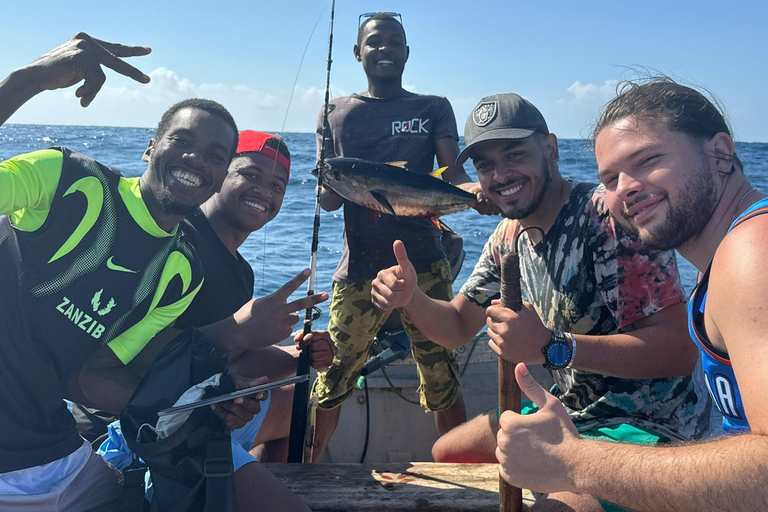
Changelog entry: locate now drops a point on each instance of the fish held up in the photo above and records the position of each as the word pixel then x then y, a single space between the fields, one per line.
pixel 390 188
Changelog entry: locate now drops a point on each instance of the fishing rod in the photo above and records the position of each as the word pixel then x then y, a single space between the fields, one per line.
pixel 301 435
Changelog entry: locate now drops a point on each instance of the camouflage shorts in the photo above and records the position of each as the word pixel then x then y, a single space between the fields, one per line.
pixel 354 323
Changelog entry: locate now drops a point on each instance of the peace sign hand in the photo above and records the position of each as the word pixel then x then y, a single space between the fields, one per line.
pixel 269 320
pixel 80 60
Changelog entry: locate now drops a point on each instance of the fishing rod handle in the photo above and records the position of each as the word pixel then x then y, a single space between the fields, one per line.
pixel 510 498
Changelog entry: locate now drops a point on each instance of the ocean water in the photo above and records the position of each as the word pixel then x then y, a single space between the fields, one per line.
pixel 282 248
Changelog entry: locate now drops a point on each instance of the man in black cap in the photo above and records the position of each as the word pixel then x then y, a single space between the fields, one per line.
pixel 669 163
pixel 603 313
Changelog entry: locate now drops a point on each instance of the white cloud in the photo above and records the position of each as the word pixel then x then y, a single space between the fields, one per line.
pixel 142 105
pixel 591 93
pixel 571 115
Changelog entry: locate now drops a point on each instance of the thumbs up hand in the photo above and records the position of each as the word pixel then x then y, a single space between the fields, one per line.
pixel 538 451
pixel 394 286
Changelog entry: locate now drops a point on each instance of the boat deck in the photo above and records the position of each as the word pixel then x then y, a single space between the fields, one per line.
pixel 395 487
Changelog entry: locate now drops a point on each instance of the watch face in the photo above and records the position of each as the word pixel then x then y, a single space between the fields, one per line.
pixel 558 354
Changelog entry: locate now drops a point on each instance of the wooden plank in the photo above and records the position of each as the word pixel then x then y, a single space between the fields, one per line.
pixel 394 487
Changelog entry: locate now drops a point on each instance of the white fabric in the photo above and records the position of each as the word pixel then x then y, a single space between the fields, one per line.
pixel 46 478
pixel 168 424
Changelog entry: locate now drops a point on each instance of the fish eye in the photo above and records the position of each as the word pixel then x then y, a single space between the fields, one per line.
pixel 336 174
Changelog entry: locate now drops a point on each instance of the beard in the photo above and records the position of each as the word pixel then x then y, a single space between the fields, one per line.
pixel 153 184
pixel 686 217
pixel 515 211
pixel 171 204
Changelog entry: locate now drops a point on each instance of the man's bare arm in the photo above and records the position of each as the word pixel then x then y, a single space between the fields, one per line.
pixel 659 346
pixel 728 474
pixel 450 324
pixel 329 200
pixel 103 382
pixel 446 151
pixel 543 452
pixel 78 60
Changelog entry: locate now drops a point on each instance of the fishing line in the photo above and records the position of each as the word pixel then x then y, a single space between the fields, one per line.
pixel 282 132
pixel 300 440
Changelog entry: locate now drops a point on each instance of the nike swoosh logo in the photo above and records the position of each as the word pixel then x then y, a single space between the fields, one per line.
pixel 118 268
pixel 91 187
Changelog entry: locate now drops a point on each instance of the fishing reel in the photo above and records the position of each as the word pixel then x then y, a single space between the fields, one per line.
pixel 324 172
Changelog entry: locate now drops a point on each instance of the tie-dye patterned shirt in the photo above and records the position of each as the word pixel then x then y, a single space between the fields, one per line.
pixel 592 277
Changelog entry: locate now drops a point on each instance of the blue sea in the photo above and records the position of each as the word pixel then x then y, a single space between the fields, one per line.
pixel 282 248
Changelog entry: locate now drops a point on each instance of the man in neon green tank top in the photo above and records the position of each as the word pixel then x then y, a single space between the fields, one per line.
pixel 93 267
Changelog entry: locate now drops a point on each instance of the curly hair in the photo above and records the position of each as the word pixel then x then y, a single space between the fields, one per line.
pixel 681 108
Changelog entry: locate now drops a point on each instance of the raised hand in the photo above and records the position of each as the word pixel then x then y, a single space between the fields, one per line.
pixel 517 337
pixel 236 413
pixel 323 348
pixel 538 451
pixel 394 286
pixel 269 320
pixel 81 59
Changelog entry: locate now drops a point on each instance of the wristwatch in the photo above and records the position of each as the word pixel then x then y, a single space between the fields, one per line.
pixel 558 352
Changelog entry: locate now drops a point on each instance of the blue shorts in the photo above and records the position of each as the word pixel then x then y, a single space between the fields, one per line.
pixel 116 451
pixel 242 438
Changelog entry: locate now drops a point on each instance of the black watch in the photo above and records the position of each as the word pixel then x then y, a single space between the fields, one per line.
pixel 557 353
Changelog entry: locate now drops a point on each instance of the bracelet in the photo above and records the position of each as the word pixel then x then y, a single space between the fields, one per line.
pixel 573 348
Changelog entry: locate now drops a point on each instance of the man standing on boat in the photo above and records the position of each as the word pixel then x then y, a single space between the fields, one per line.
pixel 386 123
pixel 668 161
pixel 605 314
pixel 93 267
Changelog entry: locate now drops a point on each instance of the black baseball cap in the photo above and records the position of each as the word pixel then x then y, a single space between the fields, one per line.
pixel 499 117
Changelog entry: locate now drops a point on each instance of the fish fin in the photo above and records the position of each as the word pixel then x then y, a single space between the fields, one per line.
pixel 437 172
pixel 401 164
pixel 383 201
pixel 437 223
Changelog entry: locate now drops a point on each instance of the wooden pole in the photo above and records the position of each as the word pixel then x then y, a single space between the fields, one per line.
pixel 510 498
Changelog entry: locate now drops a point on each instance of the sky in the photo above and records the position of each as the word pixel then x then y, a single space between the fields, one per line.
pixel 565 56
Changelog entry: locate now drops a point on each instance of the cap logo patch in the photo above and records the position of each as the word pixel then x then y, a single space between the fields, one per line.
pixel 484 113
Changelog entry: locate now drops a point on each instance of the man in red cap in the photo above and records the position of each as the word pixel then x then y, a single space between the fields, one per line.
pixel 250 197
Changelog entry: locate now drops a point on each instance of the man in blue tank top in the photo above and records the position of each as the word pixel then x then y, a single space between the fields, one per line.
pixel 668 161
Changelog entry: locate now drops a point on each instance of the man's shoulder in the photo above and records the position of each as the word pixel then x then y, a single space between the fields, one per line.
pixel 502 239
pixel 588 199
pixel 593 193
pixel 74 159
pixel 194 222
pixel 343 100
pixel 199 235
pixel 743 248
pixel 427 98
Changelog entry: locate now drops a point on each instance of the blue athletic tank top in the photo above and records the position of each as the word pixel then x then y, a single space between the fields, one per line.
pixel 721 381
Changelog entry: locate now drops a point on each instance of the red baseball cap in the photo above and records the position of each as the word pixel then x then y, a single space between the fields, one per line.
pixel 256 142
